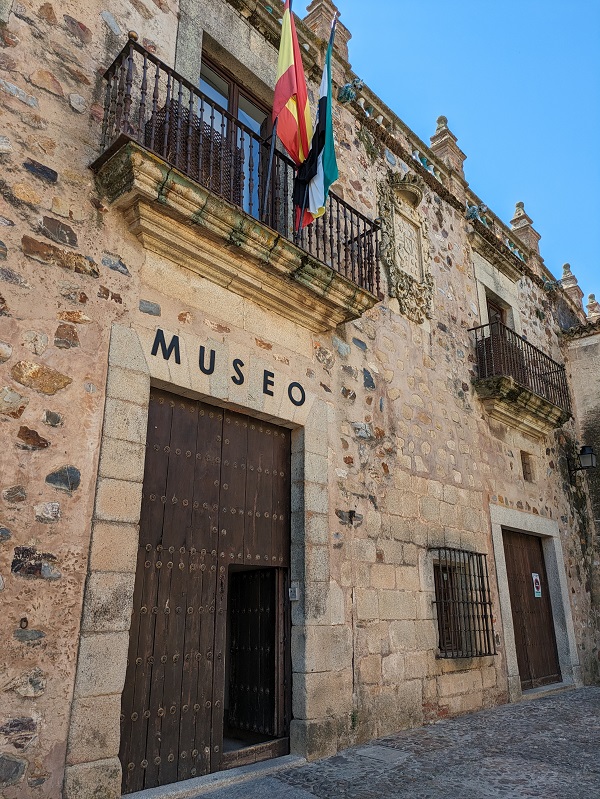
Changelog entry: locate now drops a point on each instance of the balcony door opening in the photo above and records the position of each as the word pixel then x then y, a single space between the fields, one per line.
pixel 496 313
pixel 500 349
pixel 243 139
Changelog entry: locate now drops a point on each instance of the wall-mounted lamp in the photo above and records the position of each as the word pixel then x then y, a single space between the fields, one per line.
pixel 585 460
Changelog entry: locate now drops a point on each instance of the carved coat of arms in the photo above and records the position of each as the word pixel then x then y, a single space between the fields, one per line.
pixel 405 245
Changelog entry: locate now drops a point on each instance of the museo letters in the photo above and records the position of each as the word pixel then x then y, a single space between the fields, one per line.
pixel 207 362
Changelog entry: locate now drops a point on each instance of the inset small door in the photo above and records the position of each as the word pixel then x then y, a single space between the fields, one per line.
pixel 535 639
pixel 208 673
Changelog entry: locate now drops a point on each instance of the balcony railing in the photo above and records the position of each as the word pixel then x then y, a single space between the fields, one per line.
pixel 503 353
pixel 147 102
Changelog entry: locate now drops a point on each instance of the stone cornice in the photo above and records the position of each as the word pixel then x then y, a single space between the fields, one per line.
pixel 582 331
pixel 183 222
pixel 499 255
pixel 395 147
pixel 497 250
pixel 268 26
pixel 494 251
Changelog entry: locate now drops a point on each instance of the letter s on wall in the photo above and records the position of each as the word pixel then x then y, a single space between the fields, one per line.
pixel 238 378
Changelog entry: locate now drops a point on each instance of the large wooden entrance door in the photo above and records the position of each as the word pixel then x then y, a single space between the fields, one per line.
pixel 214 526
pixel 535 639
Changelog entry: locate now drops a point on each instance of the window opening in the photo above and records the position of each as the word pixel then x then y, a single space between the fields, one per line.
pixel 215 86
pixel 246 153
pixel 527 466
pixel 463 604
pixel 495 312
pixel 251 115
pixel 254 118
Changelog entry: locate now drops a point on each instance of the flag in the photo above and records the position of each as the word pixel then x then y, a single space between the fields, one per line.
pixel 290 102
pixel 320 170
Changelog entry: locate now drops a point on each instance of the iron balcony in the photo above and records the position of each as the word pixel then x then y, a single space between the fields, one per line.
pixel 515 374
pixel 148 103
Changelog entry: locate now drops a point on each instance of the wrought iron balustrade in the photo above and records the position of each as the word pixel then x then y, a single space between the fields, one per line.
pixel 503 353
pixel 149 103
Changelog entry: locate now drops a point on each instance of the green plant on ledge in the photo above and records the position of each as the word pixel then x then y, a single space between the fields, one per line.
pixel 368 141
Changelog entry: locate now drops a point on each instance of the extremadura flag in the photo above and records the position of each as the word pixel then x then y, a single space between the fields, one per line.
pixel 320 170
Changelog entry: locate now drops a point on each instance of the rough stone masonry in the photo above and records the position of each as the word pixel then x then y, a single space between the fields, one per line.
pixel 394 453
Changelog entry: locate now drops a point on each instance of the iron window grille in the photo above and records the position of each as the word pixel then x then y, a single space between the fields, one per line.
pixel 463 604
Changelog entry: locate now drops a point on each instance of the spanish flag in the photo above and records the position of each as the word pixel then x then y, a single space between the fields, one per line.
pixel 290 103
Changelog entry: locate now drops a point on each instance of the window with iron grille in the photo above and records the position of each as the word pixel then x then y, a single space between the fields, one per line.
pixel 463 604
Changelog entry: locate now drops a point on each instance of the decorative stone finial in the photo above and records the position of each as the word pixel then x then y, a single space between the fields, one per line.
pixel 318 20
pixel 522 226
pixel 443 144
pixel 133 36
pixel 570 286
pixel 593 308
pixel 567 271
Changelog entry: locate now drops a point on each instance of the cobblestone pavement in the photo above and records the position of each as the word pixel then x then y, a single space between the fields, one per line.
pixel 547 748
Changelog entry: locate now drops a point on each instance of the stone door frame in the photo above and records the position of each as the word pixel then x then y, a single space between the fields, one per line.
pixel 92 764
pixel 548 531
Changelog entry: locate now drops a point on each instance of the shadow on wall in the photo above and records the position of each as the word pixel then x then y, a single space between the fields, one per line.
pixel 591 435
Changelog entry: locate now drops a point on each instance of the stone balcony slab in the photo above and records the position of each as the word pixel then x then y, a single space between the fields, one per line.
pixel 514 405
pixel 184 222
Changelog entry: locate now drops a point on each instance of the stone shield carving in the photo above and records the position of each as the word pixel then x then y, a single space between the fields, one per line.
pixel 405 245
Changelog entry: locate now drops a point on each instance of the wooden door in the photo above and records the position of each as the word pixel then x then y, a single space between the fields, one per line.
pixel 535 639
pixel 216 494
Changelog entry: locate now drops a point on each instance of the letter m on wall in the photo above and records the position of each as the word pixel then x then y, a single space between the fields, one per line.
pixel 159 341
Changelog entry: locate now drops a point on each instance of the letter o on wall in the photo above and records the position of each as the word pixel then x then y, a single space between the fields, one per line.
pixel 296 394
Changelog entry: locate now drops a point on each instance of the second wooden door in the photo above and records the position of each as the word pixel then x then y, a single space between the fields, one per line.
pixel 533 623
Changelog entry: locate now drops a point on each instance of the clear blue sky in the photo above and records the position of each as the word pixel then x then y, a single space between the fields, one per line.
pixel 520 85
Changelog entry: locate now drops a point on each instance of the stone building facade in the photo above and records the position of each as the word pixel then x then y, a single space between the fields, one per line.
pixel 405 366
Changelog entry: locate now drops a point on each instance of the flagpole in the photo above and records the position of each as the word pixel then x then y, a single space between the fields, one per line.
pixel 298 227
pixel 269 168
pixel 271 156
pixel 302 210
